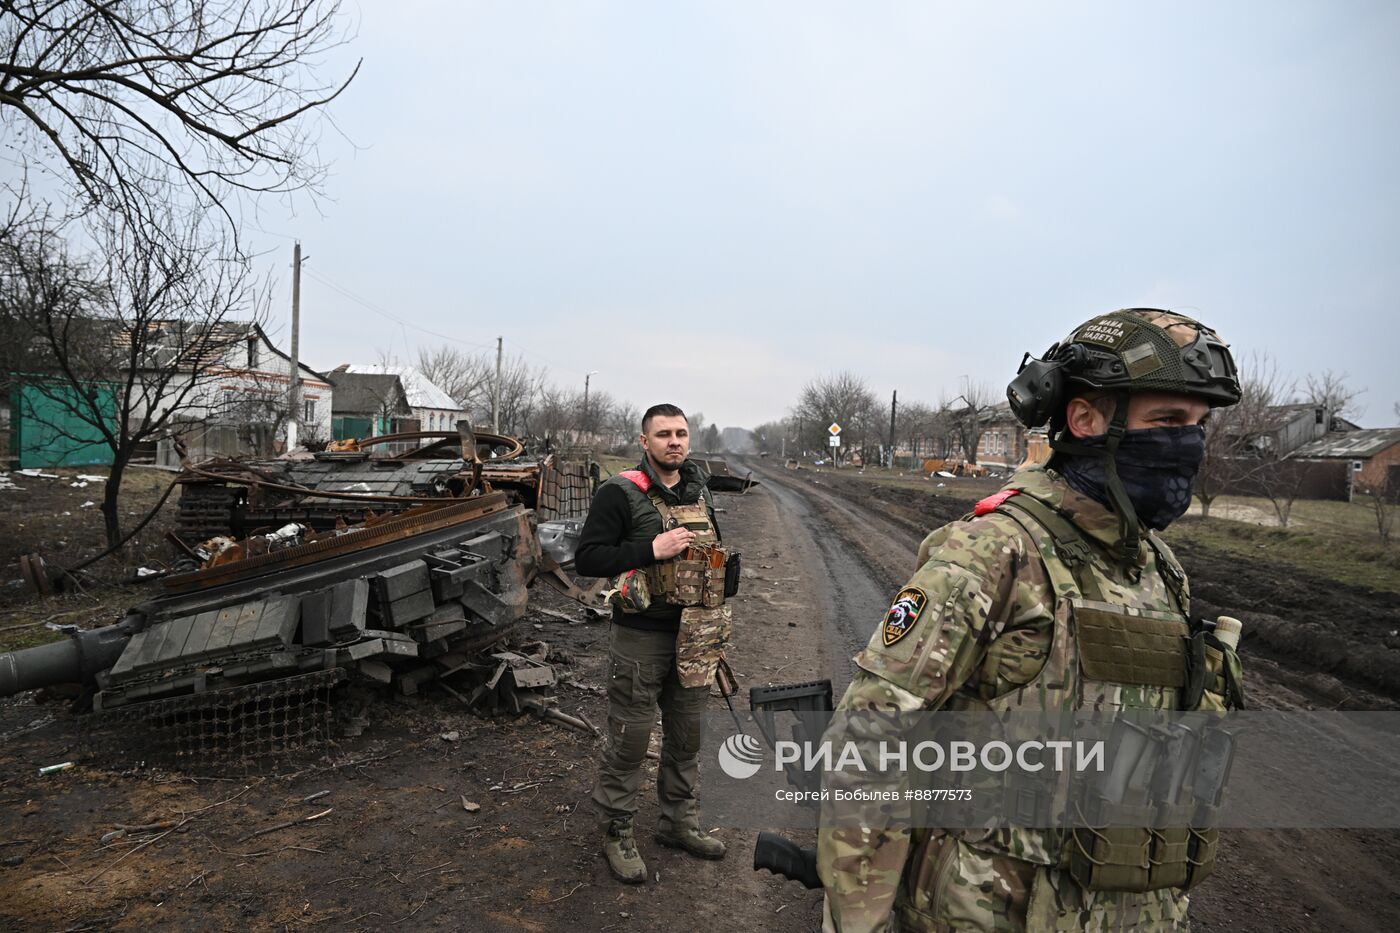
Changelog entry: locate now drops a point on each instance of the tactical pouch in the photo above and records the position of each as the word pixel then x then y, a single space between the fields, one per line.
pixel 1114 858
pixel 713 595
pixel 731 576
pixel 1213 677
pixel 1200 855
pixel 1170 850
pixel 630 593
pixel 690 580
pixel 661 578
pixel 700 643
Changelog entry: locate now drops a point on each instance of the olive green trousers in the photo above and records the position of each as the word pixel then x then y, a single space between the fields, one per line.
pixel 641 679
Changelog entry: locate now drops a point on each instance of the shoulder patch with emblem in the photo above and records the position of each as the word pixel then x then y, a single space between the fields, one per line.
pixel 908 604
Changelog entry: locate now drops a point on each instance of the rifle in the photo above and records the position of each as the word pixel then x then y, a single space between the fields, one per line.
pixel 728 686
pixel 773 851
pixel 782 856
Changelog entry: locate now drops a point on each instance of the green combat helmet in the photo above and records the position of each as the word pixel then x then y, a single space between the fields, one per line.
pixel 1126 351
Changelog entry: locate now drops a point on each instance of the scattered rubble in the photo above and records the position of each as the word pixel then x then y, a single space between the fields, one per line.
pixel 239 653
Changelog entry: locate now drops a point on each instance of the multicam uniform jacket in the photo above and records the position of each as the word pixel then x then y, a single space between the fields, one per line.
pixel 981 614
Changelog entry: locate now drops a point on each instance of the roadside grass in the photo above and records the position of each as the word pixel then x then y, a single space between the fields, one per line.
pixel 48 517
pixel 1336 540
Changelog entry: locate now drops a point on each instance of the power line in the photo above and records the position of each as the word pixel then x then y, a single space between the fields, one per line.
pixel 543 359
pixel 366 303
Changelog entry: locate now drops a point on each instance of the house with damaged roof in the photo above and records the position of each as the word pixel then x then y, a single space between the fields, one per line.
pixel 236 405
pixel 1372 456
pixel 195 389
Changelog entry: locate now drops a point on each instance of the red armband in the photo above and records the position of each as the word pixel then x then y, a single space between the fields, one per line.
pixel 990 503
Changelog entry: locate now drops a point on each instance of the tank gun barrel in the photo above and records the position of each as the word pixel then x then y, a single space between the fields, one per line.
pixel 76 659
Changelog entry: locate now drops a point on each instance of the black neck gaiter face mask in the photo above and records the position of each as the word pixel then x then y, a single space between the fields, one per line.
pixel 1157 467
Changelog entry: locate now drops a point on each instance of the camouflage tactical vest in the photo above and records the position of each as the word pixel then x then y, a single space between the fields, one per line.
pixel 1118 644
pixel 693 580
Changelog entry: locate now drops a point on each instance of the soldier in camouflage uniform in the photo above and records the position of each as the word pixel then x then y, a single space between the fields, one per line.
pixel 1019 606
pixel 669 630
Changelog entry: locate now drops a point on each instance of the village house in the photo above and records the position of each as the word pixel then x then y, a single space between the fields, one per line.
pixel 368 405
pixel 238 405
pixel 1373 454
pixel 223 387
pixel 1286 428
pixel 1003 442
pixel 432 408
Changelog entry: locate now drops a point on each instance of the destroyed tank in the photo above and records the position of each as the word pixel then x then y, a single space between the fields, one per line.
pixel 372 476
pixel 241 654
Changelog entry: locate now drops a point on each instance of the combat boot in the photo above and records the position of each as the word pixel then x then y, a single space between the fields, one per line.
pixel 692 839
pixel 620 849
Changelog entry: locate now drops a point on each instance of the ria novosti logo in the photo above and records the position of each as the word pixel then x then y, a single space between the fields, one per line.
pixel 740 756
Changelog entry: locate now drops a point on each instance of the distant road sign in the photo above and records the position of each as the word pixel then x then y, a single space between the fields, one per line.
pixel 833 428
pixel 834 440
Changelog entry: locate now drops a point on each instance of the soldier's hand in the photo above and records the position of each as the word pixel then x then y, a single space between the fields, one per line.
pixel 670 543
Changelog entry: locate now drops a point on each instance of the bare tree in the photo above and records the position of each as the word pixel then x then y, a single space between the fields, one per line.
pixel 913 425
pixel 595 413
pixel 1330 390
pixel 1384 498
pixel 842 398
pixel 1243 451
pixel 769 436
pixel 554 421
pixel 468 378
pixel 1214 474
pixel 1238 444
pixel 520 388
pixel 128 99
pixel 966 418
pixel 624 424
pixel 711 439
pixel 124 344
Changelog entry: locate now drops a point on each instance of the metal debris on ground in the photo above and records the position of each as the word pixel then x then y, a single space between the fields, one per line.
pixel 722 479
pixel 239 658
pixel 332 489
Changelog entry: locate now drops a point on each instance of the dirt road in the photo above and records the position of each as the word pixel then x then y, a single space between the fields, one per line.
pixel 1278 880
pixel 823 554
pixel 398 849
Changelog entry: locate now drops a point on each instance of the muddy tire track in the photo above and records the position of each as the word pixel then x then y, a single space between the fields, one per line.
pixel 854 558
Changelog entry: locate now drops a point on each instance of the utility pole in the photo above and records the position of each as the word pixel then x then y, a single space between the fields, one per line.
pixel 894 403
pixel 586 377
pixel 496 396
pixel 294 382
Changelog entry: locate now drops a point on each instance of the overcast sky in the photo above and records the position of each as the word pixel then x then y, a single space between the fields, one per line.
pixel 712 203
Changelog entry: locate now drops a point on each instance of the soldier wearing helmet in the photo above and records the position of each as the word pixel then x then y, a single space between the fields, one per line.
pixel 1006 612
